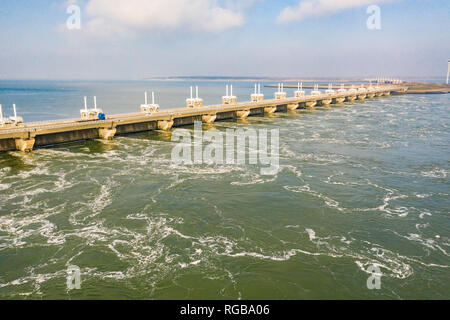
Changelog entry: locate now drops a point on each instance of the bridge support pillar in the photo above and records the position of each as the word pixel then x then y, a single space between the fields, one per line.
pixel 107 133
pixel 325 102
pixel 242 114
pixel 25 145
pixel 270 110
pixel 209 118
pixel 310 104
pixel 292 106
pixel 165 125
pixel 339 100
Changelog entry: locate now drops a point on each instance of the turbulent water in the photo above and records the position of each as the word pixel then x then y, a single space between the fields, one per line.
pixel 361 185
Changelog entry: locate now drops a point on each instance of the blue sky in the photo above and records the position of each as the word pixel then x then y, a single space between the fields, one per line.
pixel 136 39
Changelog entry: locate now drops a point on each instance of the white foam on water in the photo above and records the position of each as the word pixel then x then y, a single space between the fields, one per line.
pixel 364 254
pixel 425 242
pixel 4 172
pixel 235 284
pixel 35 280
pixel 4 186
pixel 422 226
pixel 251 178
pixel 289 168
pixel 331 203
pixel 311 233
pixel 389 264
pixel 176 182
pixel 390 195
pixel 321 159
pixel 193 263
pixel 286 152
pixel 423 196
pixel 38 170
pixel 344 240
pixel 104 198
pixel 20 227
pixel 436 173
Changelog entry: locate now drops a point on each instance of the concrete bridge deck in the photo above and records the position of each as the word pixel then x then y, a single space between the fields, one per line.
pixel 27 136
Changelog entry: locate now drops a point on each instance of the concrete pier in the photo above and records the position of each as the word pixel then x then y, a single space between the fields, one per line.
pixel 28 136
pixel 325 102
pixel 107 133
pixel 350 98
pixel 242 114
pixel 165 125
pixel 310 104
pixel 209 118
pixel 24 145
pixel 339 100
pixel 362 94
pixel 292 106
pixel 270 109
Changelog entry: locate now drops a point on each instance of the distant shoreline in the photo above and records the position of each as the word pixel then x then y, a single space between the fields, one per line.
pixel 284 79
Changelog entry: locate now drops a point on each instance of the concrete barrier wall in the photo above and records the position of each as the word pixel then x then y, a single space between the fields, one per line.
pixel 225 115
pixel 256 111
pixel 184 121
pixel 136 127
pixel 282 108
pixel 64 137
pixel 7 145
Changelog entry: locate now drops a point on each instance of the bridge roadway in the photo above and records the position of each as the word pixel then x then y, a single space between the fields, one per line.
pixel 27 136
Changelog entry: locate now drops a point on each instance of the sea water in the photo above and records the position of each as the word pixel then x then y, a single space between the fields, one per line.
pixel 359 185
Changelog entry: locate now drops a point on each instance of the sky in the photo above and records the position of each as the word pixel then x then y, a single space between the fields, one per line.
pixel 138 39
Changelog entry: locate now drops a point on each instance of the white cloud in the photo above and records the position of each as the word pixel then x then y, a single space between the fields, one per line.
pixel 131 16
pixel 312 8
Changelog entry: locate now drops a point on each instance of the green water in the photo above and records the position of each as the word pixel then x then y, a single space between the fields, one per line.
pixel 358 185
